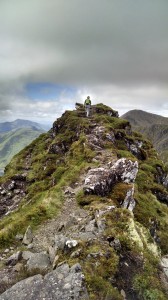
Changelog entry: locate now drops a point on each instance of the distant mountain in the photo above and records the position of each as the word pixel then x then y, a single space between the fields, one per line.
pixel 153 126
pixel 17 124
pixel 13 141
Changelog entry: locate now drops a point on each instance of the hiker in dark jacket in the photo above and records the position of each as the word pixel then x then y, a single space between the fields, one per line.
pixel 87 105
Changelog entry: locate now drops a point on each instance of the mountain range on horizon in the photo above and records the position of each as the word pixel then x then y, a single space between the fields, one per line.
pixel 14 136
pixel 21 123
pixel 152 126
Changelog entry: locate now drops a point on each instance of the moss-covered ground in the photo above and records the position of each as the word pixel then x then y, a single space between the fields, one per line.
pixel 49 172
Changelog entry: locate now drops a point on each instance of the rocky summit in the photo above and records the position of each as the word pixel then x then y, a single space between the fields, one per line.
pixel 84 215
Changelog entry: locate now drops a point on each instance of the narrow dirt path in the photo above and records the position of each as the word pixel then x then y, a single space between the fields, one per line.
pixel 44 235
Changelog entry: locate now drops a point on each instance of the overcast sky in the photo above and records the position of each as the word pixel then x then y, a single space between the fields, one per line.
pixel 54 53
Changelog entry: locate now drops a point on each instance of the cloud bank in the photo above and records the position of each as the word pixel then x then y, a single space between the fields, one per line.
pixel 116 51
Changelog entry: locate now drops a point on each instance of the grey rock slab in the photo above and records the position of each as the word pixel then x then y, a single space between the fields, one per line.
pixel 27 254
pixel 64 283
pixel 91 226
pixel 39 261
pixel 129 201
pixel 60 241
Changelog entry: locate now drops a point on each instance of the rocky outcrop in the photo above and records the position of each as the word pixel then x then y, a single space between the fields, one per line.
pixel 99 181
pixel 59 148
pixel 129 201
pixel 98 109
pixel 136 148
pixel 164 264
pixel 161 176
pixel 11 193
pixel 162 196
pixel 64 283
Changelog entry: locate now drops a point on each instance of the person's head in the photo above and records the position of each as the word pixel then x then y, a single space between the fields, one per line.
pixel 88 97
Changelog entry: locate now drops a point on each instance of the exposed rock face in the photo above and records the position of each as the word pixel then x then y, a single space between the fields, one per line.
pixel 135 148
pixel 99 181
pixel 58 148
pixel 11 193
pixel 125 170
pixel 161 196
pixel 129 201
pixel 97 136
pixel 164 264
pixel 64 284
pixel 161 176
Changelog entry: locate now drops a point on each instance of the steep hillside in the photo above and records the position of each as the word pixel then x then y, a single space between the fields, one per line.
pixel 18 124
pixel 15 140
pixel 154 127
pixel 84 212
pixel 142 118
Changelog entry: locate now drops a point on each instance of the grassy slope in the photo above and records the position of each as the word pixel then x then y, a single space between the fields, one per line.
pixel 154 127
pixel 50 173
pixel 14 141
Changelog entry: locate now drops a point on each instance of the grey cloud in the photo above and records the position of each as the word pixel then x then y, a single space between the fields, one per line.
pixel 119 41
pixel 115 45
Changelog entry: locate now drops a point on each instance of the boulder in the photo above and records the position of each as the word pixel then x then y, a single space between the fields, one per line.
pixel 60 241
pixel 64 283
pixel 14 258
pixel 99 181
pixel 28 237
pixel 125 170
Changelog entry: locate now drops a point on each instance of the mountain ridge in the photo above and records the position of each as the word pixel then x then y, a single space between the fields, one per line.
pixel 140 116
pixel 153 126
pixel 95 194
pixel 18 123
